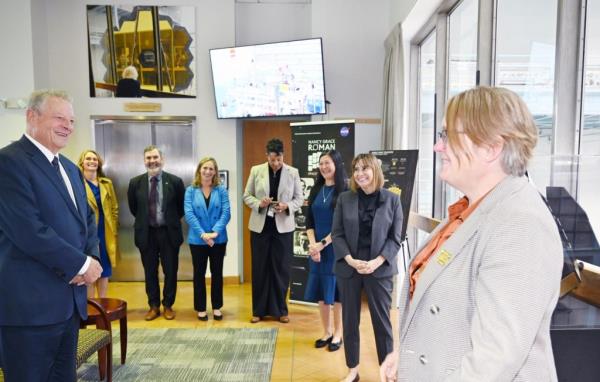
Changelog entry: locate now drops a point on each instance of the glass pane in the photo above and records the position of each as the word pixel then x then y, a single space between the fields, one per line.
pixel 525 58
pixel 462 61
pixel 426 130
pixel 462 47
pixel 97 26
pixel 590 134
pixel 133 34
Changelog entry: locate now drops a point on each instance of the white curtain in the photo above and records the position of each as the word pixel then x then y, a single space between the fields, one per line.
pixel 393 90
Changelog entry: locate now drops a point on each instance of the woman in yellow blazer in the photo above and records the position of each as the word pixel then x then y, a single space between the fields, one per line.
pixel 103 200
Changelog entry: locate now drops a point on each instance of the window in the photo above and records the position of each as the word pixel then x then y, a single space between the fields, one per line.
pixel 524 62
pixel 589 144
pixel 462 47
pixel 462 62
pixel 426 124
pixel 590 132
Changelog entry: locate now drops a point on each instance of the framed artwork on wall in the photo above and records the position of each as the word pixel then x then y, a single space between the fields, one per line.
pixel 224 176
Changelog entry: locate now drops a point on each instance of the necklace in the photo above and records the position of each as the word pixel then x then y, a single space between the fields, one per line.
pixel 328 195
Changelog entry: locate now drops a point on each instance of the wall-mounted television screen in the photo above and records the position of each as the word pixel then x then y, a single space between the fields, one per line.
pixel 267 80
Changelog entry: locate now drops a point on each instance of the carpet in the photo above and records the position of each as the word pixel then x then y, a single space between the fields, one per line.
pixel 227 355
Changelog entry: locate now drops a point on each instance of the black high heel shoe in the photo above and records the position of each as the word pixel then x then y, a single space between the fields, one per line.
pixel 203 318
pixel 322 343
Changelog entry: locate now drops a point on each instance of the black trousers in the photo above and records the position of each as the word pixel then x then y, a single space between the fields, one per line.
pixel 379 297
pixel 160 249
pixel 271 263
pixel 40 353
pixel 201 254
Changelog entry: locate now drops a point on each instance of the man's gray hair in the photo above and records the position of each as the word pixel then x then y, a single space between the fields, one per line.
pixel 39 97
pixel 153 147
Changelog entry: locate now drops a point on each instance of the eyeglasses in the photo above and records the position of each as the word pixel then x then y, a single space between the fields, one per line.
pixel 443 135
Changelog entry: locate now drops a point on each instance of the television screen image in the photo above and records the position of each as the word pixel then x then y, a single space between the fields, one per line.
pixel 277 79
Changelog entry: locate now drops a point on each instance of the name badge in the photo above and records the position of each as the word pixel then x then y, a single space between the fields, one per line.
pixel 444 257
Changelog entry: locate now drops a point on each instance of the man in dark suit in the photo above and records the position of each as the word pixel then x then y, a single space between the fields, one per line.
pixel 48 247
pixel 156 201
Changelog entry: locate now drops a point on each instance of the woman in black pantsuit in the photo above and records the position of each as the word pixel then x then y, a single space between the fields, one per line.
pixel 367 226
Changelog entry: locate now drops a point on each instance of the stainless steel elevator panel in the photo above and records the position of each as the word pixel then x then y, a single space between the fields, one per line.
pixel 121 144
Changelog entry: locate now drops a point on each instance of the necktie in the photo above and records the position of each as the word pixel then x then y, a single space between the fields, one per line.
pixel 57 168
pixel 152 201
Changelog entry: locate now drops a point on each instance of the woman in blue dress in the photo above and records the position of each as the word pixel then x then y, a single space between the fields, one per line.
pixel 321 285
pixel 102 198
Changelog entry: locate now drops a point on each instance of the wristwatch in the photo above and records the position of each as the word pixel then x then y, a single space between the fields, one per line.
pixel 324 242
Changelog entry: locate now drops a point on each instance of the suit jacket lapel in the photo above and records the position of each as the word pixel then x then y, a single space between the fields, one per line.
pixel 440 260
pixel 353 220
pixel 144 185
pixel 90 195
pixel 166 188
pixel 266 180
pixel 282 181
pixel 40 160
pixel 378 221
pixel 80 197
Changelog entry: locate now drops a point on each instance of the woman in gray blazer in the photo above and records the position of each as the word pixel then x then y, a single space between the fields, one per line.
pixel 477 299
pixel 367 224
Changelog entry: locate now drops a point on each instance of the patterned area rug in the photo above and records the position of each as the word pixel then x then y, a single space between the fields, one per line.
pixel 190 355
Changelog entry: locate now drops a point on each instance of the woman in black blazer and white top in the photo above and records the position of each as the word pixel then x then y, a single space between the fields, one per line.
pixel 366 232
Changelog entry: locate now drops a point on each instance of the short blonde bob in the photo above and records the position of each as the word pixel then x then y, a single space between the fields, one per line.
pixel 198 178
pixel 491 115
pixel 368 160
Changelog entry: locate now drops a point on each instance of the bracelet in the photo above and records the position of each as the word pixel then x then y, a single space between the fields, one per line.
pixel 324 242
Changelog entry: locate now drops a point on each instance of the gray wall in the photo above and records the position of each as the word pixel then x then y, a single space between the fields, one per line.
pixel 47 45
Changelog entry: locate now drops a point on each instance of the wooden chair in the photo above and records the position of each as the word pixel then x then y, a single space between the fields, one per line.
pixel 97 340
pixel 94 340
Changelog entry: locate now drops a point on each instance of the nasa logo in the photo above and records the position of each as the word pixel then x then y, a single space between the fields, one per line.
pixel 344 131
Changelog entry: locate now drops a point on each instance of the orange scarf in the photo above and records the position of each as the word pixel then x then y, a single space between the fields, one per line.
pixel 458 213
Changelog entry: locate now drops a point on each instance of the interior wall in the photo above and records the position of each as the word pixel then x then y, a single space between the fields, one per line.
pixel 66 36
pixel 353 35
pixel 51 51
pixel 257 23
pixel 16 74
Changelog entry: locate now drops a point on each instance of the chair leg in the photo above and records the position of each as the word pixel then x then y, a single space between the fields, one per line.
pixel 102 362
pixel 109 363
pixel 123 327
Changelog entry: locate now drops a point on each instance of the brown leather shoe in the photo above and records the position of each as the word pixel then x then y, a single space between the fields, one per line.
pixel 254 319
pixel 153 313
pixel 169 313
pixel 284 319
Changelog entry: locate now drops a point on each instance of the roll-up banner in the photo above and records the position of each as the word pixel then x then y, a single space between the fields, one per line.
pixel 309 141
pixel 399 170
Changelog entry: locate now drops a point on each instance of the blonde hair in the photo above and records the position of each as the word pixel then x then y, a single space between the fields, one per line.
pixel 100 172
pixel 368 160
pixel 490 115
pixel 130 72
pixel 198 178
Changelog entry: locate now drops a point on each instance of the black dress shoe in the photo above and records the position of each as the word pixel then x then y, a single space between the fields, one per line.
pixel 335 346
pixel 322 343
pixel 203 318
pixel 218 317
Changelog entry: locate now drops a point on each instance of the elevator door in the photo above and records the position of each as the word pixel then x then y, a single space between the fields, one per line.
pixel 121 144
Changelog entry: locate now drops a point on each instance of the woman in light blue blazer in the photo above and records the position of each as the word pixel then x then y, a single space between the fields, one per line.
pixel 207 213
